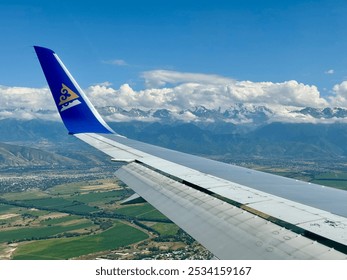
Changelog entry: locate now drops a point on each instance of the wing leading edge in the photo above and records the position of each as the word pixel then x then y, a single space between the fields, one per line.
pixel 236 213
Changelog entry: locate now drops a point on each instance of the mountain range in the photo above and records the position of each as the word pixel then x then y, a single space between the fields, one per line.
pixel 272 141
pixel 15 155
pixel 238 114
pixel 242 131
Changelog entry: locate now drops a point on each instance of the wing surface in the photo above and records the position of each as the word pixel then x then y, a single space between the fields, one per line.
pixel 236 213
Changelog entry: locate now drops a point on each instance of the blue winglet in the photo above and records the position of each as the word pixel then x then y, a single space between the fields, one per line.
pixel 76 111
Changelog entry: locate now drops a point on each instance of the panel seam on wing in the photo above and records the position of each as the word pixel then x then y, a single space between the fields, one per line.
pixel 290 226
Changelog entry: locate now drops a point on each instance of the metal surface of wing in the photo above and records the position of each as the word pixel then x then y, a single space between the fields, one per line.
pixel 291 229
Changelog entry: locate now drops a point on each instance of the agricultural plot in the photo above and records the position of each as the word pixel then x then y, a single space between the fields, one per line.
pixel 332 179
pixel 166 228
pixel 69 221
pixel 84 187
pixel 32 233
pixel 100 196
pixel 26 195
pixel 119 235
pixel 59 204
pixel 141 211
pixel 5 208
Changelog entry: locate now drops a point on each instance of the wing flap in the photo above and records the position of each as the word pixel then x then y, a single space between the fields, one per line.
pixel 227 231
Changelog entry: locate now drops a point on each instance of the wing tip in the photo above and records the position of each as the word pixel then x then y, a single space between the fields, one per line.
pixel 40 49
pixel 75 109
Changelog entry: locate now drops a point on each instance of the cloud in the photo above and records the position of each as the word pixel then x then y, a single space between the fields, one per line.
pixel 159 78
pixel 176 91
pixel 213 91
pixel 24 97
pixel 329 72
pixel 118 62
pixel 339 97
pixel 106 84
pixel 27 103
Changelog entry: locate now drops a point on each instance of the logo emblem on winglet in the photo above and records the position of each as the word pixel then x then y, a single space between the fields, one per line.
pixel 68 98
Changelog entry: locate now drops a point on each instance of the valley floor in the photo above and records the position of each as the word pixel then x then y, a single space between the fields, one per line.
pixel 47 213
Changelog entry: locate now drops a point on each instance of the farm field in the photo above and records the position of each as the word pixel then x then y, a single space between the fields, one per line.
pixel 72 220
pixel 332 179
pixel 86 220
pixel 118 235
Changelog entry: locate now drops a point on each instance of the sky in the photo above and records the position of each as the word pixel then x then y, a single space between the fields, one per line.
pixel 178 54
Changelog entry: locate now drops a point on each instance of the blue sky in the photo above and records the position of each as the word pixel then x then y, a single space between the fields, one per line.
pixel 122 42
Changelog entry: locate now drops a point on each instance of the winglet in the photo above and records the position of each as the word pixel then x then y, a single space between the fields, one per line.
pixel 76 111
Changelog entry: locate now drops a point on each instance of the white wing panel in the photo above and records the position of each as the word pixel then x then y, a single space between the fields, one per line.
pixel 269 205
pixel 227 231
pixel 116 150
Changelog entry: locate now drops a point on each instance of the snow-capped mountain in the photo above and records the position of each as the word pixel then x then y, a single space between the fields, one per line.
pixel 239 114
pixel 238 131
pixel 326 113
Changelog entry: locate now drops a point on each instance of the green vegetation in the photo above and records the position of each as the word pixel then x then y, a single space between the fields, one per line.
pixel 72 220
pixel 58 204
pixel 32 194
pixel 67 189
pixel 119 235
pixel 5 208
pixel 60 220
pixel 166 228
pixel 32 233
pixel 143 211
pixel 332 179
pixel 105 197
pixel 81 187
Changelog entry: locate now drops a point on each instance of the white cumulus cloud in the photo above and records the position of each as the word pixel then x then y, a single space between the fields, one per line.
pixel 26 103
pixel 192 89
pixel 24 97
pixel 339 97
pixel 177 91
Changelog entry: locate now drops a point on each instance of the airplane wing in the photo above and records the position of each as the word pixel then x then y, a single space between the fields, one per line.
pixel 236 213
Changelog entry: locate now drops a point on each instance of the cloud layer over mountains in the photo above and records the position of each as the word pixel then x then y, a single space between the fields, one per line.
pixel 177 91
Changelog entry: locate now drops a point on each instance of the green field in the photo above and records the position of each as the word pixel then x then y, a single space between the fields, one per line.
pixel 61 220
pixel 32 194
pixel 69 221
pixel 166 228
pixel 332 179
pixel 5 208
pixel 145 211
pixel 59 204
pixel 68 189
pixel 80 187
pixel 58 249
pixel 30 233
pixel 104 197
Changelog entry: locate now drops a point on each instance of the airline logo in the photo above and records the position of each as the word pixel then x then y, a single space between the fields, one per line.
pixel 68 98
